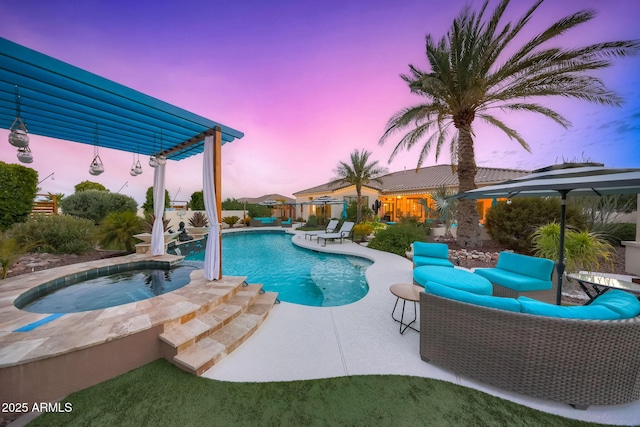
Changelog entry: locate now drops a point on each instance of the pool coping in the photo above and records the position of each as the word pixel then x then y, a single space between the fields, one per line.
pixel 76 331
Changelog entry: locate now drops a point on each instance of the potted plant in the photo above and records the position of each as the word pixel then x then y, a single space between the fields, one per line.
pixel 148 224
pixel 198 225
pixel 583 251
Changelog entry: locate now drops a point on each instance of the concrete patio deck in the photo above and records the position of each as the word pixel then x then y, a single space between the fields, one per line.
pixel 300 342
pixel 295 342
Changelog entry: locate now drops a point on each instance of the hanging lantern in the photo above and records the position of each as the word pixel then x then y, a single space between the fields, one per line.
pixel 138 168
pixel 96 167
pixel 161 160
pixel 18 130
pixel 152 161
pixel 25 155
pixel 18 135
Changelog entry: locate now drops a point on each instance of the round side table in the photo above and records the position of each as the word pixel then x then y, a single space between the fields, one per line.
pixel 406 292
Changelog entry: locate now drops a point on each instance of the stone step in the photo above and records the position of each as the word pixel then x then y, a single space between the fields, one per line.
pixel 186 334
pixel 197 326
pixel 204 337
pixel 201 356
pixel 262 304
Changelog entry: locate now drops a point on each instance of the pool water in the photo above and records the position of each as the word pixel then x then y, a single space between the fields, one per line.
pixel 112 290
pixel 299 275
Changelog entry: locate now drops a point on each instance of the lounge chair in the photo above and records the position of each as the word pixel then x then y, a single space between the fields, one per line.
pixel 331 227
pixel 345 231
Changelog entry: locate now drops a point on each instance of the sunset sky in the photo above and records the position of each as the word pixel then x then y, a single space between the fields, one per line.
pixel 306 81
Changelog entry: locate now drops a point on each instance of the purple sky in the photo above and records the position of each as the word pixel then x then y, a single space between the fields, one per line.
pixel 306 81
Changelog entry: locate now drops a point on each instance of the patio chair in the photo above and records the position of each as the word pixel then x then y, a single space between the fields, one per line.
pixel 345 231
pixel 331 228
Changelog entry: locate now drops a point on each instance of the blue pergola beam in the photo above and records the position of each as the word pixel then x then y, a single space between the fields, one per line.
pixel 62 101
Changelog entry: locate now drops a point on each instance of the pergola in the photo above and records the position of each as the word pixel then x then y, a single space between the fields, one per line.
pixel 58 100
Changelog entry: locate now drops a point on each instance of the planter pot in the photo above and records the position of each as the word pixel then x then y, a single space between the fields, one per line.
pixel 146 237
pixel 197 231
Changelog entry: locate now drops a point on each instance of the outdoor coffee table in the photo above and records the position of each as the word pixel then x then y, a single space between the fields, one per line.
pixel 602 284
pixel 406 292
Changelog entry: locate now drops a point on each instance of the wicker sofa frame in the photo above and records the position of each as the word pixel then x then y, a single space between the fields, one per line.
pixel 579 362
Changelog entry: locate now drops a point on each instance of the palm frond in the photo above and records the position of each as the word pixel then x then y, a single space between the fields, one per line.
pixel 511 133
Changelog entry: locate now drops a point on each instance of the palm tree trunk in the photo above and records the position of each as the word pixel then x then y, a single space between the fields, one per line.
pixel 468 217
pixel 358 204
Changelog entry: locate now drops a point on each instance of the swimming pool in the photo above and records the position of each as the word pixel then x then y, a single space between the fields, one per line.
pixel 299 275
pixel 93 290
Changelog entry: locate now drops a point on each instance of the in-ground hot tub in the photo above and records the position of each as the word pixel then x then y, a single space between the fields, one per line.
pixel 105 287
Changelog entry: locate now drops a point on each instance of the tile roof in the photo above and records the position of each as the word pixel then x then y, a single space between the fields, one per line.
pixel 425 179
pixel 256 200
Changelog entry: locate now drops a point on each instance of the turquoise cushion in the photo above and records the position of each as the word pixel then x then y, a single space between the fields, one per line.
pixel 587 312
pixel 623 303
pixel 538 268
pixel 423 260
pixel 508 304
pixel 431 250
pixel 514 281
pixel 454 278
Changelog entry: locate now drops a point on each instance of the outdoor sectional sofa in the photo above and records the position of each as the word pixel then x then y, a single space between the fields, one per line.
pixel 264 222
pixel 515 274
pixel 500 341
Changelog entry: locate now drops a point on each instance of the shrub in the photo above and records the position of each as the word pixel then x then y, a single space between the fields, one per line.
pixel 398 238
pixel 258 211
pixel 361 231
pixel 58 234
pixel 197 201
pixel 96 205
pixel 118 229
pixel 10 251
pixel 352 211
pixel 148 202
pixel 17 190
pixel 312 221
pixel 512 224
pixel 583 250
pixel 230 220
pixel 89 185
pixel 615 233
pixel 151 218
pixel 198 219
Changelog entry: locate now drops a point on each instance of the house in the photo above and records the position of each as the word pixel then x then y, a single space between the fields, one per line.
pixel 400 193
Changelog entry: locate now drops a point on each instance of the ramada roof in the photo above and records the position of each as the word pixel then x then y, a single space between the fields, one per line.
pixel 423 180
pixel 258 200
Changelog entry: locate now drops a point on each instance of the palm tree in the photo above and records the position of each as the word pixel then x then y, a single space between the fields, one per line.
pixel 475 71
pixel 119 228
pixel 360 172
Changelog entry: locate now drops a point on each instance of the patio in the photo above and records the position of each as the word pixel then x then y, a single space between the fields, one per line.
pixel 298 342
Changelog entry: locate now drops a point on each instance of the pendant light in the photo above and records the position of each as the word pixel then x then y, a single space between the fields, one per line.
pixel 152 159
pixel 96 167
pixel 18 130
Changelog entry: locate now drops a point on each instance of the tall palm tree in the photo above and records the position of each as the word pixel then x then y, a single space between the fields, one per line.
pixel 476 70
pixel 359 172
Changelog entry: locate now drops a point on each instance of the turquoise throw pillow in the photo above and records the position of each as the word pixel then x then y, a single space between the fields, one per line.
pixel 623 303
pixel 586 312
pixel 508 304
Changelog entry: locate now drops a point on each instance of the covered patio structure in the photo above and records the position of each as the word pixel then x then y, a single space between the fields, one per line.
pixel 45 96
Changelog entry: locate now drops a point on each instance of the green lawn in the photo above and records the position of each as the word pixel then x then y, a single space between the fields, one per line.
pixel 160 394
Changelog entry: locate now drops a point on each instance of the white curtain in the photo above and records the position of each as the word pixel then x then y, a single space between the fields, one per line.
pixel 212 254
pixel 157 235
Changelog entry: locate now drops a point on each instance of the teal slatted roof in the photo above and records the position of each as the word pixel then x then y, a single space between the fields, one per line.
pixel 59 100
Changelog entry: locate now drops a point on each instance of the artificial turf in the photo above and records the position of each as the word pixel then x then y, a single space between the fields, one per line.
pixel 159 394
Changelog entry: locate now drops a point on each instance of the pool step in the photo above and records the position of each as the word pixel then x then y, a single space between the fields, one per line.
pixel 206 337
